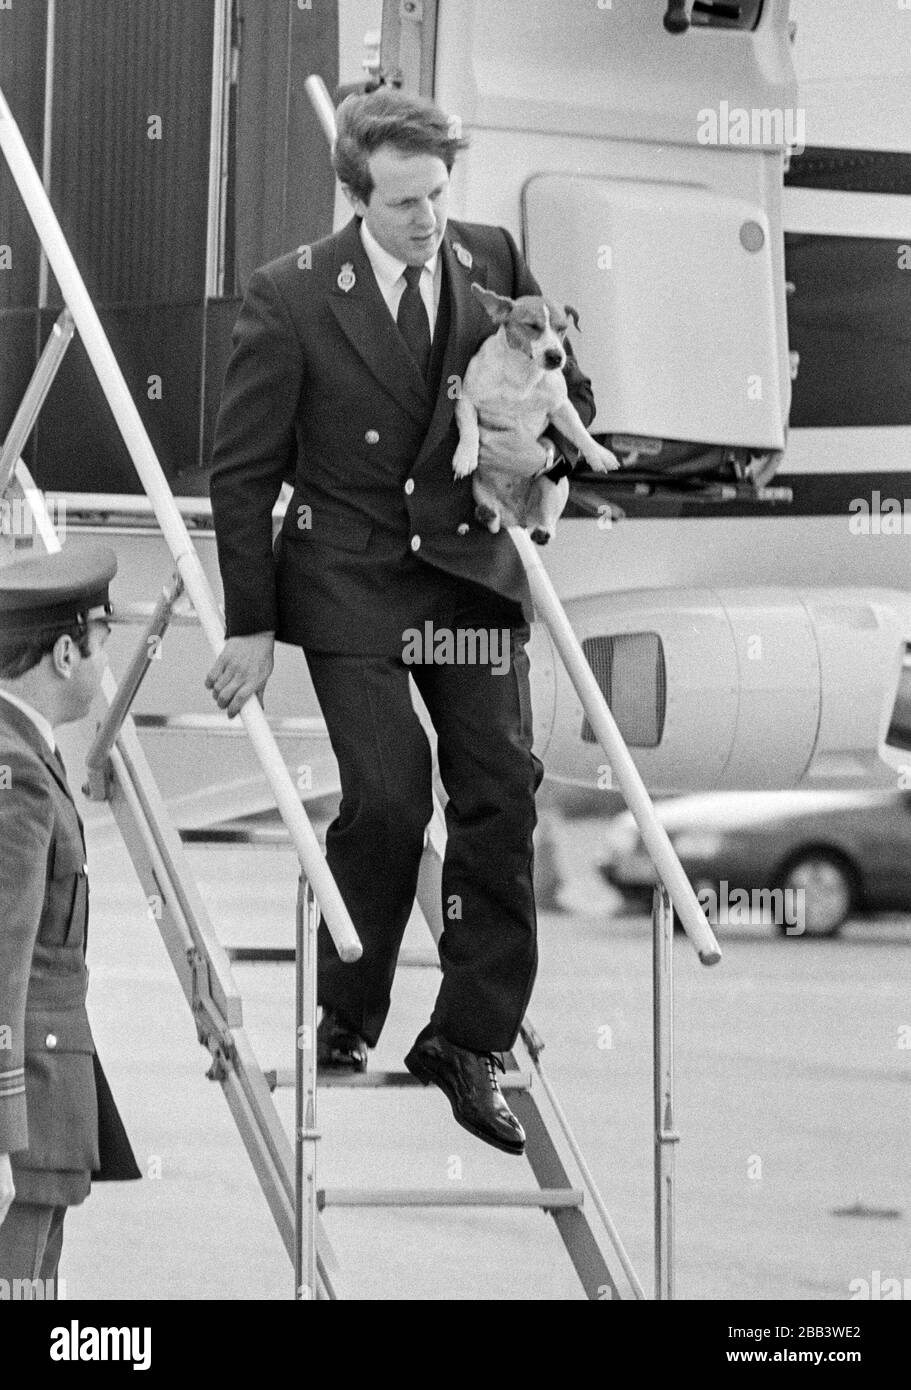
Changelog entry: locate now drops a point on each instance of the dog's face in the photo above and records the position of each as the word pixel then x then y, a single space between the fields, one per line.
pixel 534 326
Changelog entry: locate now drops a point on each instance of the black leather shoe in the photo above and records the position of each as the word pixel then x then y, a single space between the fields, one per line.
pixel 338 1047
pixel 469 1082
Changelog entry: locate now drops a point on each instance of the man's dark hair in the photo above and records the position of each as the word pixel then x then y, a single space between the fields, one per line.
pixel 20 655
pixel 412 125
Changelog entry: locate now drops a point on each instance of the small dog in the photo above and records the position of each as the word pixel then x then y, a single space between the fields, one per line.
pixel 513 388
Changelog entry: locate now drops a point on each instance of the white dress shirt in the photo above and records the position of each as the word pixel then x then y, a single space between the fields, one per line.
pixel 43 725
pixel 390 276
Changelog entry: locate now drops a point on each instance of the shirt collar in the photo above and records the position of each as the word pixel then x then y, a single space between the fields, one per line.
pixel 387 268
pixel 43 726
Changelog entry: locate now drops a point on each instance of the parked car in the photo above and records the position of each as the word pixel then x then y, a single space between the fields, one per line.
pixel 837 854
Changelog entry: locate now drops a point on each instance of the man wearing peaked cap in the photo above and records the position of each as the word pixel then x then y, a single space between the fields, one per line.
pixel 59 1127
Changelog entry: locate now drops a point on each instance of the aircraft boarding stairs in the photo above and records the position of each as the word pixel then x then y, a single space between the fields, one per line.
pixel 119 773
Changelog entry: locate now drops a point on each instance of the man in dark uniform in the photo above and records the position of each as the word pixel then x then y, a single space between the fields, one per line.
pixel 346 366
pixel 59 1127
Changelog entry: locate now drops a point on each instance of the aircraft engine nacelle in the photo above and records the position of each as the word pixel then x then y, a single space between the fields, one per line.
pixel 731 688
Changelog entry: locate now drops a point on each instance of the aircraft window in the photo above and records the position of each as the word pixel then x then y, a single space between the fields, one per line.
pixel 716 15
pixel 712 14
pixel 629 668
pixel 849 318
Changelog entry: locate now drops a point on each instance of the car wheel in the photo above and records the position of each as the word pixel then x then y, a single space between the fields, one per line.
pixel 825 886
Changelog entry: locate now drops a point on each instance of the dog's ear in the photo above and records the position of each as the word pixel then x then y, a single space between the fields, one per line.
pixel 571 313
pixel 498 306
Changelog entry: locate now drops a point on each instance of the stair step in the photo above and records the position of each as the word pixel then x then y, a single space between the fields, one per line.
pixel 284 955
pixel 272 836
pixel 261 955
pixel 279 1078
pixel 547 1198
pixel 220 725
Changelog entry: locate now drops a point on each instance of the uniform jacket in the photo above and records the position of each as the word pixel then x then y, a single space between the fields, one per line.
pixel 57 1117
pixel 321 387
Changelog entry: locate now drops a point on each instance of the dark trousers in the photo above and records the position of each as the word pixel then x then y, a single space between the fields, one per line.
pixel 484 730
pixel 31 1239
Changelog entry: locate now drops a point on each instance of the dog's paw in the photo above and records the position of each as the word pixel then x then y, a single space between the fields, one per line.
pixel 464 463
pixel 488 517
pixel 601 460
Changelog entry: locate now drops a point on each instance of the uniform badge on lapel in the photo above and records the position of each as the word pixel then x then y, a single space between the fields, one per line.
pixel 346 277
pixel 463 256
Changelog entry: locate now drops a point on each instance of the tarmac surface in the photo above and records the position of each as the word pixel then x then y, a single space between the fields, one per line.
pixel 793 1070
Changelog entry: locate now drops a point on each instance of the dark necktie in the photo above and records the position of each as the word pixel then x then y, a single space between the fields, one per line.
pixel 412 320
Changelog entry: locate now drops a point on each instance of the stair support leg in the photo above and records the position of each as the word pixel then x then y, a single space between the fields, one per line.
pixel 306 1134
pixel 572 1224
pixel 666 1136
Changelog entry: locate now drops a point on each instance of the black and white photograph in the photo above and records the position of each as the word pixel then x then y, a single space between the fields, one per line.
pixel 455 666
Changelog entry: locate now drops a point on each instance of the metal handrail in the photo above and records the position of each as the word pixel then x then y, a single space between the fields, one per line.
pixel 318 885
pixel 534 1046
pixel 102 745
pixel 674 889
pixel 307 726
pixel 105 504
pixel 654 836
pixel 321 102
pixel 173 528
pixel 31 403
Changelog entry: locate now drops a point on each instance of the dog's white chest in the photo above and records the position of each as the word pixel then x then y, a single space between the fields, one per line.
pixel 504 403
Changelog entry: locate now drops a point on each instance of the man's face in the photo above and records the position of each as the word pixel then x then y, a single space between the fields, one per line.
pixel 409 204
pixel 87 671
